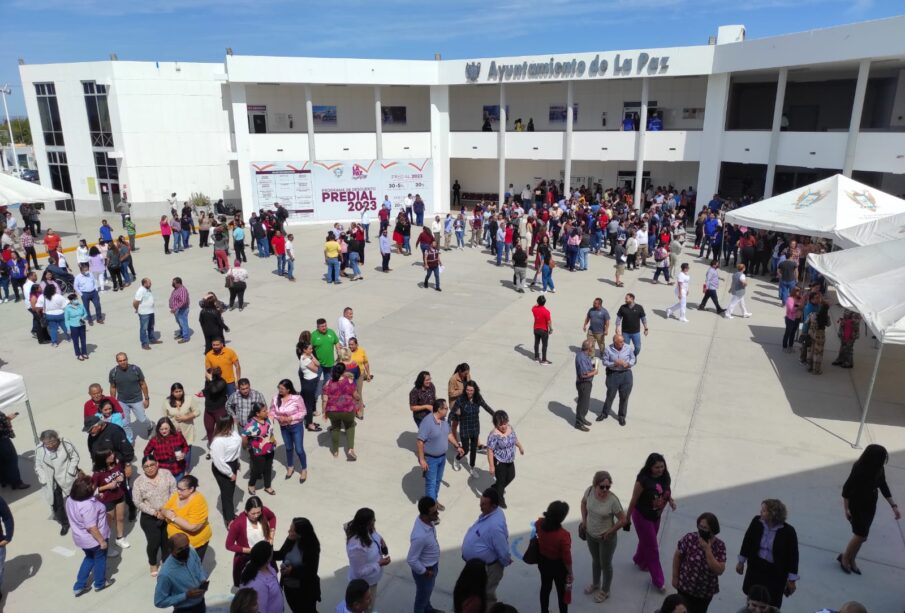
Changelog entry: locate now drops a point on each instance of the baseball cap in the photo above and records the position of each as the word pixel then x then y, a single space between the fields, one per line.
pixel 90 422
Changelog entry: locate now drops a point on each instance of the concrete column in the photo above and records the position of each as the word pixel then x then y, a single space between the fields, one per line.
pixel 639 143
pixel 378 116
pixel 237 96
pixel 567 146
pixel 501 154
pixel 712 138
pixel 439 112
pixel 854 126
pixel 774 133
pixel 309 122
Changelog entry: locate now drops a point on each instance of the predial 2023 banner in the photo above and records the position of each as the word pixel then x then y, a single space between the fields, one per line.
pixel 336 190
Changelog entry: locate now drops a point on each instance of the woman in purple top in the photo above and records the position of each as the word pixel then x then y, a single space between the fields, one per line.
pixel 259 575
pixel 88 520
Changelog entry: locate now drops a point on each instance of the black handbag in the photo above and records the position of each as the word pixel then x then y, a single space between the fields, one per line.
pixel 532 553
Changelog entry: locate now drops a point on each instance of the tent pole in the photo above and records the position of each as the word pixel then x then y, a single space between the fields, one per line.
pixel 31 419
pixel 74 221
pixel 870 393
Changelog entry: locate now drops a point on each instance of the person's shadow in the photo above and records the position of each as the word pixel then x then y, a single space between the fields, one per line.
pixel 413 484
pixel 20 569
pixel 520 348
pixel 562 411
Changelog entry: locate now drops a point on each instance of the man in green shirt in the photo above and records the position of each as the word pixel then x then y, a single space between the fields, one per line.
pixel 325 342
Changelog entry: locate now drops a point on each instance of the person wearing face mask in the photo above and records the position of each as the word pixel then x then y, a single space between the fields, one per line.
pixel 74 317
pixel 182 581
pixel 699 561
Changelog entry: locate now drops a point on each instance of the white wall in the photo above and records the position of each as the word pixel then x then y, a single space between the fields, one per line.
pixel 474 175
pixel 67 79
pixel 481 175
pixel 416 101
pixel 465 106
pixel 281 101
pixel 533 100
pixel 174 132
pixel 170 125
pixel 354 109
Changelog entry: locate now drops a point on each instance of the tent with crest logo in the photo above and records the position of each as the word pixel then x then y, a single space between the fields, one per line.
pixel 837 208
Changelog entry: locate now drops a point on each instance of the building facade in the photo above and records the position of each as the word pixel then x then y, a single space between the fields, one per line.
pixel 332 137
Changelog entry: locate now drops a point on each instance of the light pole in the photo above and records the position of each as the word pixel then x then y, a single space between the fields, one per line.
pixel 5 90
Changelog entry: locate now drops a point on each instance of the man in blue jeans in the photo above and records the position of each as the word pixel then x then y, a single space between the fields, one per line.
pixel 179 307
pixel 143 303
pixel 629 319
pixel 424 553
pixel 128 386
pixel 788 278
pixel 86 288
pixel 434 436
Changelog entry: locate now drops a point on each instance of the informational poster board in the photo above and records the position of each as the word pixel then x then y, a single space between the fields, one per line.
pixel 289 184
pixel 338 190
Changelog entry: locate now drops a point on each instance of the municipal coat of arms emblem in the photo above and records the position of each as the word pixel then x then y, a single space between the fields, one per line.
pixel 473 70
pixel 808 198
pixel 864 199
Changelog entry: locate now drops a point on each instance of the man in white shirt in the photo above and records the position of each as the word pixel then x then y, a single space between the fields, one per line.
pixel 345 327
pixel 682 281
pixel 290 257
pixel 86 288
pixel 407 202
pixel 366 224
pixel 526 198
pixel 143 303
pixel 30 279
pixel 172 202
pixel 424 553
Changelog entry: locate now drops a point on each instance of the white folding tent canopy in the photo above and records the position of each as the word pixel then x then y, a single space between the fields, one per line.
pixel 870 280
pixel 838 208
pixel 14 190
pixel 12 394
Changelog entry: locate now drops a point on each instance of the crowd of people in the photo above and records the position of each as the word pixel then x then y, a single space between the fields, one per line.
pixel 240 423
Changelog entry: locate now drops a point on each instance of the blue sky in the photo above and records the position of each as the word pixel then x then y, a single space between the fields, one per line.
pixel 42 31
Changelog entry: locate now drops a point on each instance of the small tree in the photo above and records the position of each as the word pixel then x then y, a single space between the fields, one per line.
pixel 21 131
pixel 199 201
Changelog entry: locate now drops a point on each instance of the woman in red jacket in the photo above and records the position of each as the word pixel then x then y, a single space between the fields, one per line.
pixel 169 448
pixel 257 523
pixel 555 560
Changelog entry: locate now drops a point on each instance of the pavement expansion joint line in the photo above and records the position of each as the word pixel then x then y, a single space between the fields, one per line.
pixel 698 397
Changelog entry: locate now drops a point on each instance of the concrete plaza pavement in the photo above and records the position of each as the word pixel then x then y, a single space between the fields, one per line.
pixel 737 419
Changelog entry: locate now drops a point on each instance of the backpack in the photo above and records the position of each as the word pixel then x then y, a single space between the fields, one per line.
pixel 660 254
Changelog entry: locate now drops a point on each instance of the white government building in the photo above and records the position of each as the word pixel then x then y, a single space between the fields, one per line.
pixel 329 136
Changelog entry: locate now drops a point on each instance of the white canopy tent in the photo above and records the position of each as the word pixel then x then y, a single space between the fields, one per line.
pixel 14 190
pixel 838 208
pixel 870 280
pixel 13 393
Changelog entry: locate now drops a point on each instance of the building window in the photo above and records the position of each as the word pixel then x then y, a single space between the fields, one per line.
pixel 50 114
pixel 106 168
pixel 59 178
pixel 98 114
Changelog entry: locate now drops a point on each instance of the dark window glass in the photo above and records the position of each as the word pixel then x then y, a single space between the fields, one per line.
pixel 94 122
